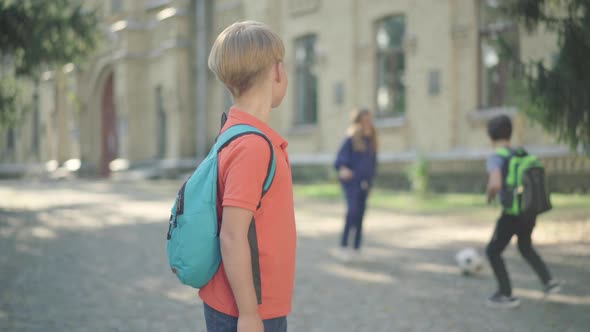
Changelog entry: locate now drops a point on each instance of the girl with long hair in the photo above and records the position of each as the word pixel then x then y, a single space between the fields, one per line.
pixel 356 164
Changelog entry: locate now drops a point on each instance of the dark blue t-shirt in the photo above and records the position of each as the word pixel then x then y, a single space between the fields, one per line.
pixel 494 162
pixel 362 163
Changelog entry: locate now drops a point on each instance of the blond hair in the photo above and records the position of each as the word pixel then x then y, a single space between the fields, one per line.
pixel 356 132
pixel 242 53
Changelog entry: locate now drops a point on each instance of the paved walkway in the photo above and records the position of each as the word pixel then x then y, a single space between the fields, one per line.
pixel 90 256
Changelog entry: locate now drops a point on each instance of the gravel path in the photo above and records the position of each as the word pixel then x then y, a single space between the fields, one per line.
pixel 90 256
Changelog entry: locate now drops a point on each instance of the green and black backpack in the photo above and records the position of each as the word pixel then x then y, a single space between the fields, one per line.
pixel 524 191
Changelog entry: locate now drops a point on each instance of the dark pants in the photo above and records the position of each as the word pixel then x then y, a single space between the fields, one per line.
pixel 506 227
pixel 356 199
pixel 220 322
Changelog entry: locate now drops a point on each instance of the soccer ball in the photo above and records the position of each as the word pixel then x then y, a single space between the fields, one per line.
pixel 469 261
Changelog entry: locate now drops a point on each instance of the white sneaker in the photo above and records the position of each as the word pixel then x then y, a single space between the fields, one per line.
pixel 343 254
pixel 356 255
pixel 362 256
pixel 502 301
pixel 553 287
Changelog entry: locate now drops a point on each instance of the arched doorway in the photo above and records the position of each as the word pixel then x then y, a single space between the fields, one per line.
pixel 109 139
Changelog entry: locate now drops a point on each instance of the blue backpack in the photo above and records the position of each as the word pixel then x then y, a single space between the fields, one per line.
pixel 193 234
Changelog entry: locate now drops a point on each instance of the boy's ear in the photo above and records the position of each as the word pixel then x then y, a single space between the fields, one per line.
pixel 278 73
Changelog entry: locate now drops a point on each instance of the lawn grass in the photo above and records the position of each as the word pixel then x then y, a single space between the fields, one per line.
pixel 448 203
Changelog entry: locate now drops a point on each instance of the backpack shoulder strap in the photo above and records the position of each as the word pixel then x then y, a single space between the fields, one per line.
pixel 520 152
pixel 236 131
pixel 504 152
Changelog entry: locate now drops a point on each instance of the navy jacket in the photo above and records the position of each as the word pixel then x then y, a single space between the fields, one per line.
pixel 363 164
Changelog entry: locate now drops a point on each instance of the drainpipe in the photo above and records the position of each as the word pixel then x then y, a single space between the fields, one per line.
pixel 200 73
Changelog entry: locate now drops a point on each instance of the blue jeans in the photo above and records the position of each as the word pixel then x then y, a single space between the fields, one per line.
pixel 356 200
pixel 220 322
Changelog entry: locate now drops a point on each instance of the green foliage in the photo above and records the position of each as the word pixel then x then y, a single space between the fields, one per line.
pixel 419 175
pixel 559 92
pixel 52 32
pixel 37 34
pixel 565 205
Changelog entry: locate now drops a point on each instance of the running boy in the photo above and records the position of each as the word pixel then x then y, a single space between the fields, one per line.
pixel 500 132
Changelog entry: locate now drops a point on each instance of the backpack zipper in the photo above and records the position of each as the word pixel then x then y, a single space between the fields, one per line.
pixel 180 207
pixel 169 235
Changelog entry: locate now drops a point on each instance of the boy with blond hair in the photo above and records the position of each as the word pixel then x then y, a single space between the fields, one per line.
pixel 252 290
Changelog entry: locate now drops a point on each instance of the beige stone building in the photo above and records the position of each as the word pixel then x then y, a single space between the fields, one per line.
pixel 434 71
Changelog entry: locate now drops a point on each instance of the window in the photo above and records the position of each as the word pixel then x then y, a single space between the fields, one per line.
pixel 390 93
pixel 498 55
pixel 306 82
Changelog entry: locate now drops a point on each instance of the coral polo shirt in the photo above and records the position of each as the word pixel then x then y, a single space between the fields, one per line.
pixel 243 166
